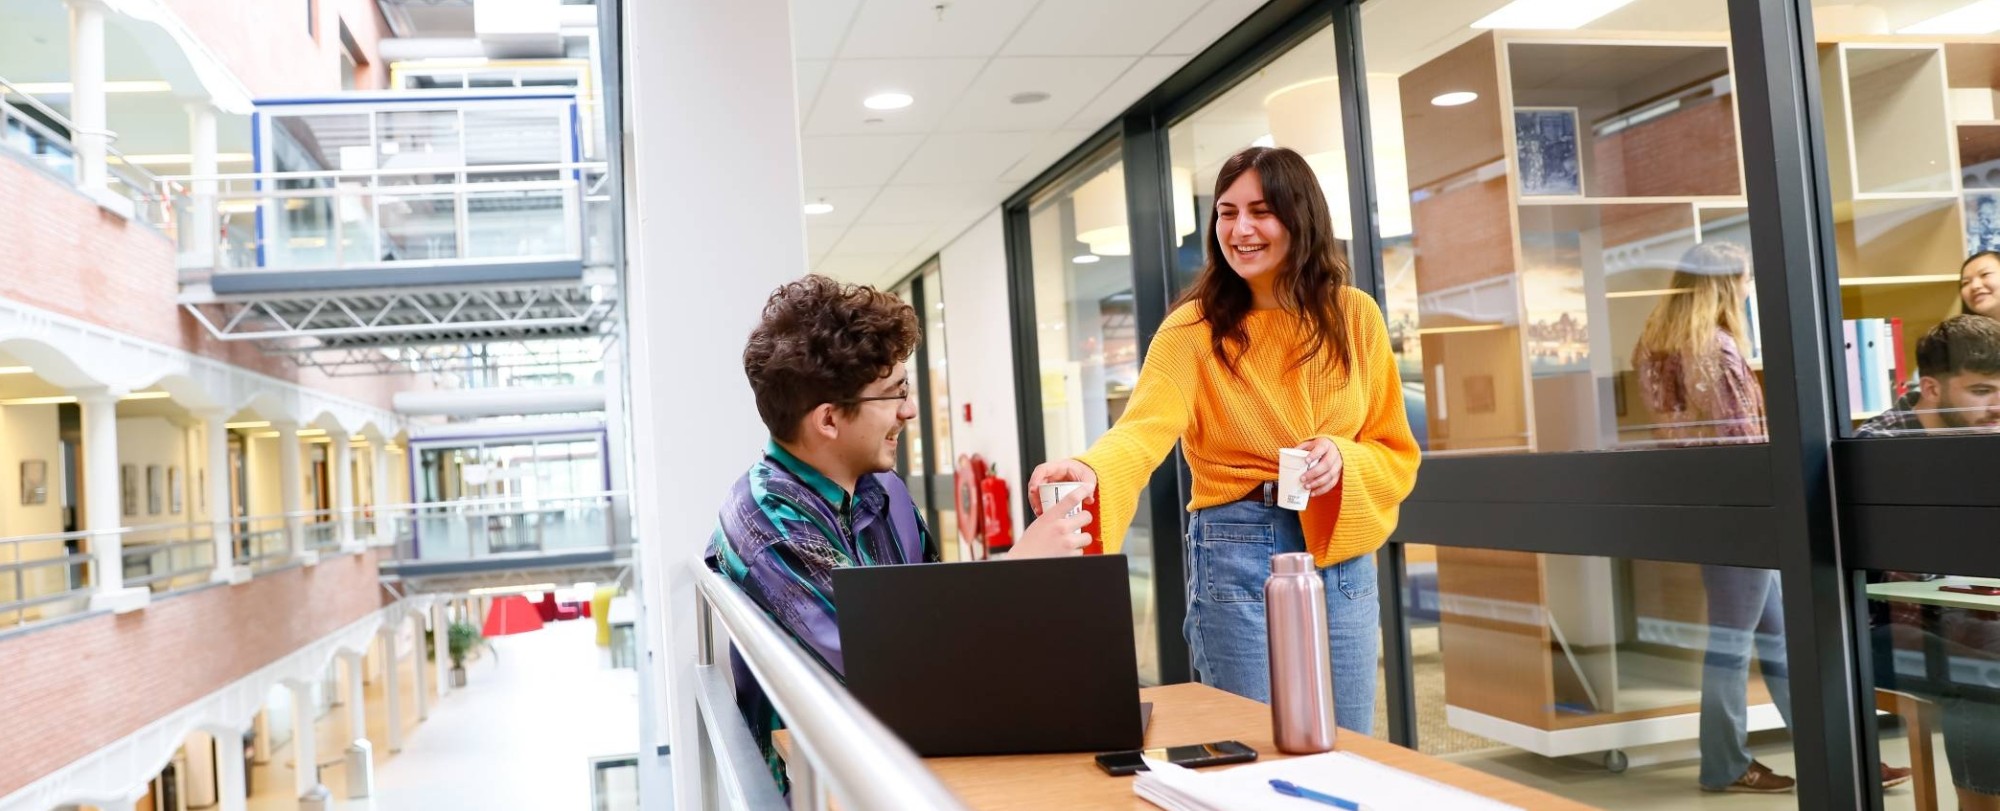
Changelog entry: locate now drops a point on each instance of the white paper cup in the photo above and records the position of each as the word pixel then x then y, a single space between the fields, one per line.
pixel 1291 465
pixel 1054 492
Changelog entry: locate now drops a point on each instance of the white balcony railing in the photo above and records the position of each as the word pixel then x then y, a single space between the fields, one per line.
pixel 389 218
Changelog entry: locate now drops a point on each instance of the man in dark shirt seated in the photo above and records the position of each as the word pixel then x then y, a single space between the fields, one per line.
pixel 827 368
pixel 1958 365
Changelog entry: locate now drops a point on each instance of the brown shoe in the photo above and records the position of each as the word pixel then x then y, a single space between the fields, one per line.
pixel 1759 779
pixel 1893 776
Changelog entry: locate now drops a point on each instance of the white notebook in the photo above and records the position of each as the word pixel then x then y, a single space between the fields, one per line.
pixel 1341 774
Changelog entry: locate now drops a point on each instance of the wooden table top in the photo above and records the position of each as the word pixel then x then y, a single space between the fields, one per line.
pixel 1925 592
pixel 1182 714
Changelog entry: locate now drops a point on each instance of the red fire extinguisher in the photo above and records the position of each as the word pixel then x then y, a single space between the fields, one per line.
pixel 982 503
pixel 995 524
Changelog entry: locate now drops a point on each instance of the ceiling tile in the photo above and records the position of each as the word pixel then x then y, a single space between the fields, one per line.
pixel 1071 82
pixel 882 239
pixel 1099 27
pixel 858 268
pixel 1129 88
pixel 935 84
pixel 903 29
pixel 819 25
pixel 965 158
pixel 820 239
pixel 1207 25
pixel 810 73
pixel 1051 149
pixel 855 160
pixel 848 203
pixel 933 203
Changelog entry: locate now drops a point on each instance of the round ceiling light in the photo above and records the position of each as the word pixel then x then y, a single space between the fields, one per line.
pixel 1087 259
pixel 887 101
pixel 1028 97
pixel 821 207
pixel 1455 98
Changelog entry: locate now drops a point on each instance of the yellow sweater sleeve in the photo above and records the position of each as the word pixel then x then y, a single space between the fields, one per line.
pixel 1379 463
pixel 1155 417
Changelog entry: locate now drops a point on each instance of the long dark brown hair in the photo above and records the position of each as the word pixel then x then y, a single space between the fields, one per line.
pixel 1309 283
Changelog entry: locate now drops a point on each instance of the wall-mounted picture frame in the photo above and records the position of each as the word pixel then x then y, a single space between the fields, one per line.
pixel 34 481
pixel 153 490
pixel 128 487
pixel 1548 152
pixel 174 490
pixel 1982 221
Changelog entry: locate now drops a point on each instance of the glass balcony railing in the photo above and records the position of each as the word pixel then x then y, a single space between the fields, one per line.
pixel 390 218
pixel 38 132
pixel 473 529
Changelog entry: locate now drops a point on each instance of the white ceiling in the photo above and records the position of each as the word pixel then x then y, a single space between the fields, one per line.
pixel 908 184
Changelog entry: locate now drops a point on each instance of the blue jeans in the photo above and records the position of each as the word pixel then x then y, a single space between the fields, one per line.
pixel 1229 549
pixel 1746 615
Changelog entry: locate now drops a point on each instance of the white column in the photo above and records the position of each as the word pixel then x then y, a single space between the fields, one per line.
pixel 732 61
pixel 305 738
pixel 200 245
pixel 385 525
pixel 392 686
pixel 441 645
pixel 291 489
pixel 342 462
pixel 103 513
pixel 215 441
pixel 260 737
pixel 357 707
pixel 86 99
pixel 418 668
pixel 232 789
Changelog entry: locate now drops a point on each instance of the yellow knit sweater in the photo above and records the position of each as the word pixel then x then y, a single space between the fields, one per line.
pixel 1231 427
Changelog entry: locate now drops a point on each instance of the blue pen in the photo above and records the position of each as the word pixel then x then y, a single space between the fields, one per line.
pixel 1291 789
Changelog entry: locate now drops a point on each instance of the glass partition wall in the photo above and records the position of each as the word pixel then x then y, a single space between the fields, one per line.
pixel 1594 227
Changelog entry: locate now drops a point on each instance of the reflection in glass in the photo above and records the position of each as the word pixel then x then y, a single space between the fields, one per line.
pixel 1545 669
pixel 418 227
pixel 1935 641
pixel 942 462
pixel 1087 336
pixel 1538 190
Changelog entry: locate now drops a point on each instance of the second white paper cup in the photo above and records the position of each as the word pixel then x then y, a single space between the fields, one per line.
pixel 1056 491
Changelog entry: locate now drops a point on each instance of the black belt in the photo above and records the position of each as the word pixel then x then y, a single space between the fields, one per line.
pixel 1265 493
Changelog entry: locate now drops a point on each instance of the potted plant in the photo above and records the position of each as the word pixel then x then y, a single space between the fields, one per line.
pixel 461 638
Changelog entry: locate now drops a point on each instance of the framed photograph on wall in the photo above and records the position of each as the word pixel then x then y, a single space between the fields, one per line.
pixel 174 490
pixel 1548 151
pixel 1982 221
pixel 128 486
pixel 153 490
pixel 34 481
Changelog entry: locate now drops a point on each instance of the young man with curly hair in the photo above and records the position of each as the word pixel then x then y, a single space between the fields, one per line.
pixel 827 367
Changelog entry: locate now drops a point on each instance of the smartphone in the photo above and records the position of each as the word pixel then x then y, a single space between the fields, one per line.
pixel 1973 588
pixel 1206 754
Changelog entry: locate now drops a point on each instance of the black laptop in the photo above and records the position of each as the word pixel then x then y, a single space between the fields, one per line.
pixel 994 657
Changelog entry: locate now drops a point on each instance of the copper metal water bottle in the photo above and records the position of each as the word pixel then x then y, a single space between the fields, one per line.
pixel 1301 670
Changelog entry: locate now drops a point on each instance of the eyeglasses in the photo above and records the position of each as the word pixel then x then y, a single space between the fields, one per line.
pixel 882 398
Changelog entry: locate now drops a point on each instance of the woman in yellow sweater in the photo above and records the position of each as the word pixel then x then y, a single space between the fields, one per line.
pixel 1271 348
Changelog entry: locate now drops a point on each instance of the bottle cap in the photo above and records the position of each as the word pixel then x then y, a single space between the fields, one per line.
pixel 1292 563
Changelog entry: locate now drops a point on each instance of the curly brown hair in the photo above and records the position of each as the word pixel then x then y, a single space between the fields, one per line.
pixel 822 341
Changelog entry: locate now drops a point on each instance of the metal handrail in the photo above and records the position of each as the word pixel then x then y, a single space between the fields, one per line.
pixel 140 181
pixel 198 563
pixel 838 747
pixel 318 174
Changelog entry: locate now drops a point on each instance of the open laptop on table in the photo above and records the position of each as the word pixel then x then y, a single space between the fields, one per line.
pixel 994 657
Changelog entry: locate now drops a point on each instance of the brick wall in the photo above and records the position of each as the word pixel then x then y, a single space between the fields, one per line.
pixel 1691 151
pixel 73 688
pixel 270 48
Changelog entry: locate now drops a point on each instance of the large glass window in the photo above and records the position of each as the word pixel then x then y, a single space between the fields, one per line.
pixel 1086 331
pixel 1913 155
pixel 1615 682
pixel 1564 236
pixel 943 462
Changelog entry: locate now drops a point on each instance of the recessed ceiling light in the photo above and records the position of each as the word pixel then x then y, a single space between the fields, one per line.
pixel 1087 259
pixel 1454 98
pixel 887 101
pixel 821 207
pixel 1549 15
pixel 1029 97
